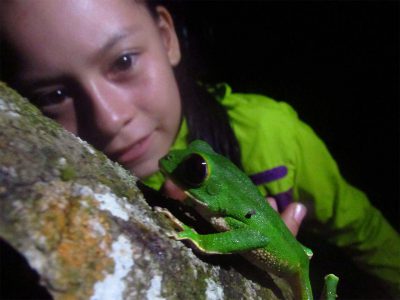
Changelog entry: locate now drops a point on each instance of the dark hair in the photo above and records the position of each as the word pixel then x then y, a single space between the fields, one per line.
pixel 207 119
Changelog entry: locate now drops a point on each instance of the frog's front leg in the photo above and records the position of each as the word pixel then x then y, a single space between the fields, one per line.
pixel 230 241
pixel 235 240
pixel 224 242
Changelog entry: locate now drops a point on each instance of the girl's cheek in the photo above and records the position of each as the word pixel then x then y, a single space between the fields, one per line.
pixel 70 125
pixel 67 119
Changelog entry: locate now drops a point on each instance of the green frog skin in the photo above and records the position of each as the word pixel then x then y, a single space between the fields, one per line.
pixel 245 222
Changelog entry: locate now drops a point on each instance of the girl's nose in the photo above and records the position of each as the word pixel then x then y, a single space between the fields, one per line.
pixel 110 106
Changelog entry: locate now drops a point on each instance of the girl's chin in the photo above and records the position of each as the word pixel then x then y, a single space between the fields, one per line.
pixel 143 169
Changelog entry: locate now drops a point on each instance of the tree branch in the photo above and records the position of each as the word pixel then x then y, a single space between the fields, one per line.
pixel 83 225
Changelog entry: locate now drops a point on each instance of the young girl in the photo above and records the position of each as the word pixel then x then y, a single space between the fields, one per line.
pixel 109 72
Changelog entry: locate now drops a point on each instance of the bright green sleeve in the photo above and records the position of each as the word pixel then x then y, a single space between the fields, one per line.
pixel 347 218
pixel 271 136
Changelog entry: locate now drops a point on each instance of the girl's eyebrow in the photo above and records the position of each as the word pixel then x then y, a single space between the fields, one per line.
pixel 114 39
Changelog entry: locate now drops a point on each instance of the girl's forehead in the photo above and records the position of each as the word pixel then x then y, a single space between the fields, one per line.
pixel 24 16
pixel 50 29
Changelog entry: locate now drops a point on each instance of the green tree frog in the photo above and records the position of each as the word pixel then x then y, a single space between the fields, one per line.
pixel 245 222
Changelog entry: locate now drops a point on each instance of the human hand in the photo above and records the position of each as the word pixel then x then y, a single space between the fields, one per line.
pixel 172 191
pixel 292 216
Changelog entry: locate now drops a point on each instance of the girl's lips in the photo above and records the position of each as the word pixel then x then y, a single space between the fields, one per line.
pixel 135 151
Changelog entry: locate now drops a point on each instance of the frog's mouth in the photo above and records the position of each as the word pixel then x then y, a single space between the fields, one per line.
pixel 167 168
pixel 166 165
pixel 166 174
pixel 163 171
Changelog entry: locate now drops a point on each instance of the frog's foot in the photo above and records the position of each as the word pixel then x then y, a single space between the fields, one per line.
pixel 330 286
pixel 183 232
pixel 177 224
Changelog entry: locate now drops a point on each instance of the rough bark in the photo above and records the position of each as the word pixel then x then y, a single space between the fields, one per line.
pixel 80 222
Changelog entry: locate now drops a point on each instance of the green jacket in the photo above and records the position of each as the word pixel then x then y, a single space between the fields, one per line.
pixel 286 159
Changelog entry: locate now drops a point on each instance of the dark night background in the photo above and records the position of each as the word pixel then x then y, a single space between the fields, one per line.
pixel 337 64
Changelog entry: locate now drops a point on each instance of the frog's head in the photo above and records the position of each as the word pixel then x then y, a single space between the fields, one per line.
pixel 198 170
pixel 210 179
pixel 189 168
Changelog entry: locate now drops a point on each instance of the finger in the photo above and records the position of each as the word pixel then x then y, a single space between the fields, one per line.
pixel 173 191
pixel 272 202
pixel 293 216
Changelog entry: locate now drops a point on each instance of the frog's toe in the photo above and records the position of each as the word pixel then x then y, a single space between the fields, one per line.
pixel 173 221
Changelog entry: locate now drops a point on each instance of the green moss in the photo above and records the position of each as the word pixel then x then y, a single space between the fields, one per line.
pixel 27 109
pixel 67 173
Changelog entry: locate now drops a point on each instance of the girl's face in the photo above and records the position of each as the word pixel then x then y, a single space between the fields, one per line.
pixel 103 70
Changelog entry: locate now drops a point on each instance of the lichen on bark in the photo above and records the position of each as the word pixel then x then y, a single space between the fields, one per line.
pixel 83 225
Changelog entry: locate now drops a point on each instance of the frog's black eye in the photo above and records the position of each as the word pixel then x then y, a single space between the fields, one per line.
pixel 192 171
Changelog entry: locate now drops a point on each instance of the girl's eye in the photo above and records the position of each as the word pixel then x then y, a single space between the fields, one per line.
pixel 123 63
pixel 55 97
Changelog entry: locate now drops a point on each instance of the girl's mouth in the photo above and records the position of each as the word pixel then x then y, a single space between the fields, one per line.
pixel 134 151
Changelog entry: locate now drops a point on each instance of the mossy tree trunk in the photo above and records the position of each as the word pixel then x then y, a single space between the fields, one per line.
pixel 80 222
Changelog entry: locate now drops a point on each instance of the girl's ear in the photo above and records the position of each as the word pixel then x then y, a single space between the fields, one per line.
pixel 168 34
